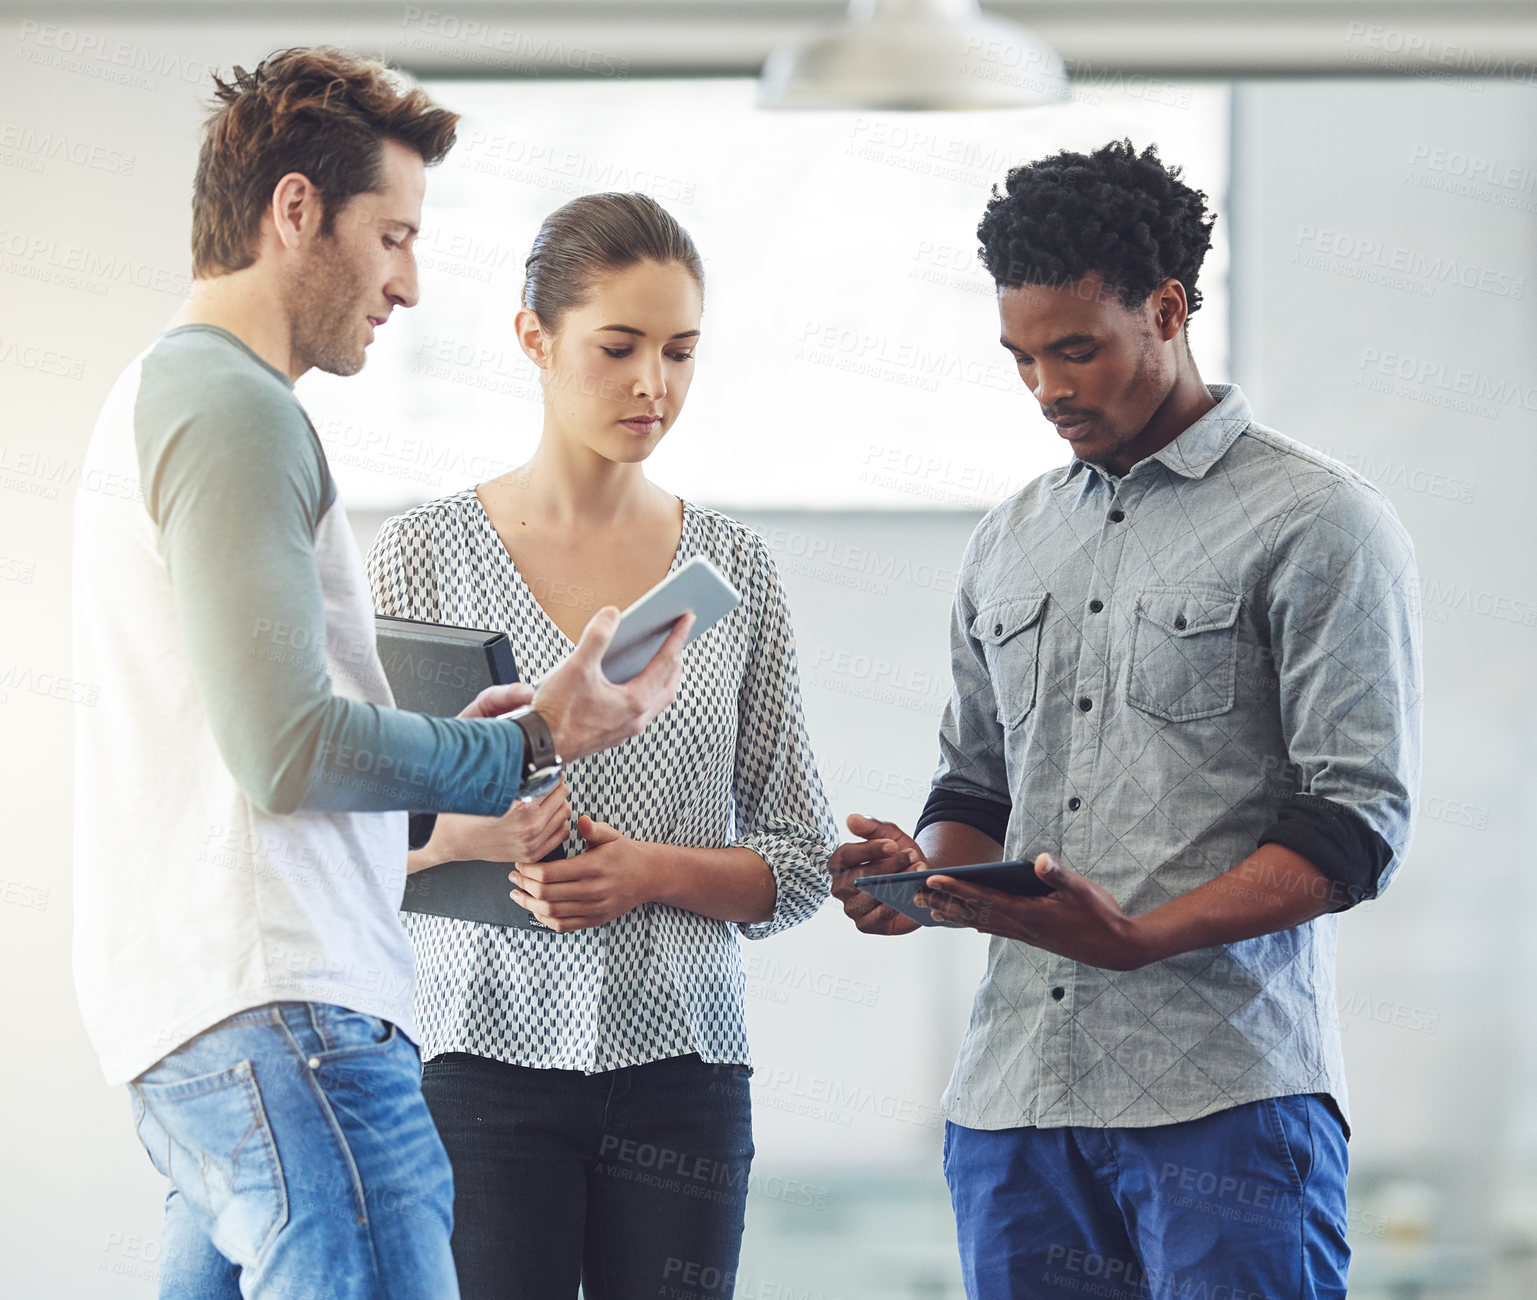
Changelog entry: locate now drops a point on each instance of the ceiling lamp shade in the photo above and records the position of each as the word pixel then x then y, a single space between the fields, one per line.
pixel 914 54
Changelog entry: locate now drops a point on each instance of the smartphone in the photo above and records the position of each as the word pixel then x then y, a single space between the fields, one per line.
pixel 696 587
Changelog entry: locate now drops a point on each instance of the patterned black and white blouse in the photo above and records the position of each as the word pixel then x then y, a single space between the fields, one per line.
pixel 728 764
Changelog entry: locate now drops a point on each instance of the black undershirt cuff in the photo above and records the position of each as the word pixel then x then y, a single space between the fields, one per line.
pixel 420 829
pixel 989 816
pixel 1337 841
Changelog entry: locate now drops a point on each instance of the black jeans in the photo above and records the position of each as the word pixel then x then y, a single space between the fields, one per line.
pixel 632 1182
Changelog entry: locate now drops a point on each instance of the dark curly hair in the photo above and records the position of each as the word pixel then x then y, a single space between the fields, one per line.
pixel 1122 214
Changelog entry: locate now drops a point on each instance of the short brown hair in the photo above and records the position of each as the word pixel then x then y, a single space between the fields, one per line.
pixel 320 112
pixel 595 234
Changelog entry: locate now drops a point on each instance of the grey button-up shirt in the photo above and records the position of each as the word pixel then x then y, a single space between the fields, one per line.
pixel 1146 670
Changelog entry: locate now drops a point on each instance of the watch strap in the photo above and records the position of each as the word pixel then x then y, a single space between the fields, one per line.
pixel 538 742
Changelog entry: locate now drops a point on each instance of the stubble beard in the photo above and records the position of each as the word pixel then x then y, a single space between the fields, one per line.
pixel 325 306
pixel 1144 390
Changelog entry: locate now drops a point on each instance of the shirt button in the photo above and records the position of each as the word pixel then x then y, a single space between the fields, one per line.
pixel 1179 622
pixel 1074 804
pixel 1095 606
pixel 1116 516
pixel 1058 993
pixel 997 629
pixel 314 1062
pixel 1086 704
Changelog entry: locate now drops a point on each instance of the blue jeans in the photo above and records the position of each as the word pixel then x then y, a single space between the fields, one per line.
pixel 1245 1204
pixel 303 1162
pixel 632 1182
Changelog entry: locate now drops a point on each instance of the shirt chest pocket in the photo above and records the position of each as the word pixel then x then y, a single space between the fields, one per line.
pixel 1184 653
pixel 1010 635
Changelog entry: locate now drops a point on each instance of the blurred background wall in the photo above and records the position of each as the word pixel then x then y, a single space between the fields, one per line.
pixel 1378 184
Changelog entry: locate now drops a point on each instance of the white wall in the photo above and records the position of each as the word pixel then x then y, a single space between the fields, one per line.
pixel 113 203
pixel 1361 244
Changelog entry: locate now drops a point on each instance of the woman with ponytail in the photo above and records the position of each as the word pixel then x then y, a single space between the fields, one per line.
pixel 589 1075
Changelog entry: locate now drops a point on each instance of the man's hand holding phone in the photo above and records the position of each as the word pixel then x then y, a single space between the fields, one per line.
pixel 585 711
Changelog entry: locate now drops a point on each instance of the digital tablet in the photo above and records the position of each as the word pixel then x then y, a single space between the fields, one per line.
pixel 896 890
pixel 438 669
pixel 696 587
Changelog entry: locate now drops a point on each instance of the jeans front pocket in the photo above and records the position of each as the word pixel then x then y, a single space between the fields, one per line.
pixel 344 1033
pixel 1010 634
pixel 210 1133
pixel 359 1058
pixel 1184 653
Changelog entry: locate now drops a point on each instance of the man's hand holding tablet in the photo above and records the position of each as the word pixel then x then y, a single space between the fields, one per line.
pixel 887 885
pixel 921 895
pixel 1078 919
pixel 1069 914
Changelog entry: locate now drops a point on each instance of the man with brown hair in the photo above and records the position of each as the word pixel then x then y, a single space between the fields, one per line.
pixel 243 785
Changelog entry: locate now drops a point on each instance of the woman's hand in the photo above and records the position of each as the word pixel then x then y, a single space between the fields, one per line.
pixel 524 833
pixel 614 875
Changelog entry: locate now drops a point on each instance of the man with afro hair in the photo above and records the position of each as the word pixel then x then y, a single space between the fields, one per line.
pixel 1187 685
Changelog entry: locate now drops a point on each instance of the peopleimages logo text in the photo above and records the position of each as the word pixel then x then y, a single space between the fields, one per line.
pixel 1431 268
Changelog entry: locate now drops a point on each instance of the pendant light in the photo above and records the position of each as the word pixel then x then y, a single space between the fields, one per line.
pixel 914 54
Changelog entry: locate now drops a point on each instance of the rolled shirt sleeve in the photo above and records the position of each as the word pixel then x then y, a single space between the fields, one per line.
pixel 781 810
pixel 1343 604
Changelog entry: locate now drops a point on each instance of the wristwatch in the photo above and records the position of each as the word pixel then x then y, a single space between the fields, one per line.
pixel 541 764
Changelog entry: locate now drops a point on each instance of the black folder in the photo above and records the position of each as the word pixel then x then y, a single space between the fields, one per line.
pixel 438 669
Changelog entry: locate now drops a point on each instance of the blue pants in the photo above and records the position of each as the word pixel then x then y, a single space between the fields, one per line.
pixel 632 1182
pixel 302 1159
pixel 1245 1204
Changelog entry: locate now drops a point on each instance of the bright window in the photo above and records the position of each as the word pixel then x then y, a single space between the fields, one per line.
pixel 850 354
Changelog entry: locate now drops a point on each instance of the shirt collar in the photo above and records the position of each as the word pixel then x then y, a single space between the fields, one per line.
pixel 1199 447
